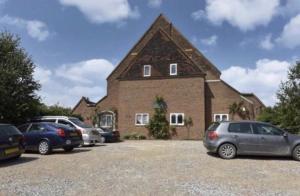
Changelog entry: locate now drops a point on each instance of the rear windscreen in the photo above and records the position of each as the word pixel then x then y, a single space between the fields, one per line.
pixel 8 130
pixel 213 126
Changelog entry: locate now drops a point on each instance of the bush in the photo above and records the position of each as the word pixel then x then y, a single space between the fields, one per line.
pixel 134 136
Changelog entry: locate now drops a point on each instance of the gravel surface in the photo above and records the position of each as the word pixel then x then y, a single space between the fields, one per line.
pixel 148 168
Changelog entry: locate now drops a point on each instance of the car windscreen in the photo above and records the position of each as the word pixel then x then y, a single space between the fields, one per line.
pixel 7 130
pixel 79 123
pixel 213 127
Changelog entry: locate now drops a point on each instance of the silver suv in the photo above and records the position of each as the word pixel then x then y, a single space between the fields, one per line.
pixel 229 139
pixel 90 135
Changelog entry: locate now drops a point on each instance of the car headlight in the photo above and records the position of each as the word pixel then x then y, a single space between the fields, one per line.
pixel 83 131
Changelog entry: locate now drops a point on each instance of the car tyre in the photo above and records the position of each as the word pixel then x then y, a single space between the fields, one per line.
pixel 68 148
pixel 296 153
pixel 44 147
pixel 227 151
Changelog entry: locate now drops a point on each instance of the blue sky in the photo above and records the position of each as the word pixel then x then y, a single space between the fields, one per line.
pixel 76 44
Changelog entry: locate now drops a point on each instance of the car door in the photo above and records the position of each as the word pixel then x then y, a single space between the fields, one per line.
pixel 33 135
pixel 242 133
pixel 272 139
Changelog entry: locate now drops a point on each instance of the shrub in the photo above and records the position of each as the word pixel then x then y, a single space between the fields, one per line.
pixel 134 136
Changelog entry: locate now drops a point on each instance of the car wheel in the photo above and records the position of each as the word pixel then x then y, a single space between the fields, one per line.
pixel 227 151
pixel 296 153
pixel 44 147
pixel 68 149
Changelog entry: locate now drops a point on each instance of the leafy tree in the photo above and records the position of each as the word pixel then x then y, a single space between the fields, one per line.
pixel 238 109
pixel 17 86
pixel 289 100
pixel 188 123
pixel 159 126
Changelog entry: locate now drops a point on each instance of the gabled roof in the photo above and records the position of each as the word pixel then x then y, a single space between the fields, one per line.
pixel 162 23
pixel 86 100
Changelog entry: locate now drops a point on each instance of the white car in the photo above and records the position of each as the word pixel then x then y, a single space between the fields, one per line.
pixel 90 135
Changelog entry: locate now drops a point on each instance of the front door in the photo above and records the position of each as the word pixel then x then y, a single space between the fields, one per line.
pixel 33 136
pixel 272 140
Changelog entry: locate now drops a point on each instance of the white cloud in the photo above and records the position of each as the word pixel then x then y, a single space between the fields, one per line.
pixel 154 3
pixel 290 36
pixel 263 80
pixel 35 28
pixel 67 84
pixel 244 14
pixel 210 41
pixel 198 15
pixel 267 43
pixel 101 11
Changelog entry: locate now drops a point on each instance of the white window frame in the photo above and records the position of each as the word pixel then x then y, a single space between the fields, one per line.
pixel 142 121
pixel 147 75
pixel 173 74
pixel 177 114
pixel 215 115
pixel 106 125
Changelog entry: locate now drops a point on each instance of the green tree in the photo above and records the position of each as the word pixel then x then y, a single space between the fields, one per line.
pixel 288 107
pixel 188 123
pixel 17 86
pixel 239 109
pixel 158 125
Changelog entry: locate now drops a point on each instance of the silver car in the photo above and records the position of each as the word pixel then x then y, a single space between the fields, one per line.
pixel 229 139
pixel 90 135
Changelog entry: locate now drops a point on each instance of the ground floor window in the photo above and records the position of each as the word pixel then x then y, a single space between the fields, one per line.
pixel 221 117
pixel 177 119
pixel 106 120
pixel 141 118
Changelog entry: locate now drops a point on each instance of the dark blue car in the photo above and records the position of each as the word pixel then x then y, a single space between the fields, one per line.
pixel 11 142
pixel 44 137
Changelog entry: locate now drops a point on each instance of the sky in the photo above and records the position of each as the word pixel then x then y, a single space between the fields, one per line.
pixel 75 44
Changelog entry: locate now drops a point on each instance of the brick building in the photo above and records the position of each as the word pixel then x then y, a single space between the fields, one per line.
pixel 164 63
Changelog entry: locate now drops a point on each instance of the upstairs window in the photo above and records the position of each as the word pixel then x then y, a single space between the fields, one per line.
pixel 173 69
pixel 221 117
pixel 141 119
pixel 177 119
pixel 147 70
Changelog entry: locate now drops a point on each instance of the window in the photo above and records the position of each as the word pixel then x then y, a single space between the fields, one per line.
pixel 147 70
pixel 106 120
pixel 173 69
pixel 240 128
pixel 36 128
pixel 65 123
pixel 265 129
pixel 221 117
pixel 23 128
pixel 177 119
pixel 141 119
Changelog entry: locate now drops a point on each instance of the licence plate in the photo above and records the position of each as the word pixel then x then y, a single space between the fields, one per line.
pixel 11 150
pixel 73 134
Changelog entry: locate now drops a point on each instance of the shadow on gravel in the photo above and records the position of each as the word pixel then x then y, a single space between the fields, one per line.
pixel 93 146
pixel 265 158
pixel 21 160
pixel 61 151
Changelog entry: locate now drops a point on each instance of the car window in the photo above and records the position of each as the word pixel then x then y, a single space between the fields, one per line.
pixel 240 128
pixel 64 122
pixel 265 129
pixel 79 123
pixel 213 127
pixel 36 128
pixel 23 128
pixel 6 130
pixel 49 120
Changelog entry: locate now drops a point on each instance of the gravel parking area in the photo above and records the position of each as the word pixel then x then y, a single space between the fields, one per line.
pixel 148 168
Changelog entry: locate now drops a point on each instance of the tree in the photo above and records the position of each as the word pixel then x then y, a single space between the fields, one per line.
pixel 188 123
pixel 238 109
pixel 288 107
pixel 158 126
pixel 17 86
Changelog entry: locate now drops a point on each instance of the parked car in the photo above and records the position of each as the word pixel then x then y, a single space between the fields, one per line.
pixel 44 137
pixel 229 139
pixel 90 135
pixel 109 135
pixel 11 142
